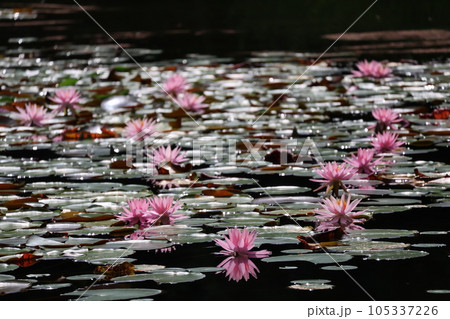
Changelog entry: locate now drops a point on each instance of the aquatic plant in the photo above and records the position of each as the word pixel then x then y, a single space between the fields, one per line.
pixel 333 175
pixel 136 213
pixel 386 142
pixel 338 213
pixel 67 99
pixel 33 115
pixel 191 102
pixel 386 119
pixel 239 243
pixel 166 155
pixel 149 212
pixel 162 211
pixel 139 129
pixel 363 161
pixel 176 84
pixel 372 69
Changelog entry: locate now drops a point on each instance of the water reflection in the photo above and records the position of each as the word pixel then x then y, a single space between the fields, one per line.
pixel 239 267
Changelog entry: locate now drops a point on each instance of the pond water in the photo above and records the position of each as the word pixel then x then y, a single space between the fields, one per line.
pixel 64 184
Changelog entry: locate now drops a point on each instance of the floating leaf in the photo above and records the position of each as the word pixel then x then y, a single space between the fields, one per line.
pixel 6 277
pixel 396 254
pixel 7 267
pixel 86 277
pixel 113 294
pixel 164 277
pixel 278 190
pixel 117 270
pixel 51 286
pixel 205 269
pixel 148 268
pixel 439 291
pixel 366 246
pixel 310 281
pixel 311 287
pixel 316 258
pixel 11 287
pixel 382 233
pixel 19 203
pixel 342 267
pixel 138 244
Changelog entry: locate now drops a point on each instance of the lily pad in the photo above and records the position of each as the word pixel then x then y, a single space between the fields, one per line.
pixel 11 287
pixel 342 267
pixel 382 233
pixel 86 277
pixel 164 277
pixel 396 254
pixel 311 287
pixel 278 190
pixel 7 267
pixel 51 286
pixel 113 294
pixel 316 258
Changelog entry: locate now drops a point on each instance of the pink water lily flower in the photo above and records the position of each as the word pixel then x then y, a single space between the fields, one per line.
pixel 67 99
pixel 162 211
pixel 33 115
pixel 136 213
pixel 386 142
pixel 191 102
pixel 338 213
pixel 334 175
pixel 148 212
pixel 386 119
pixel 372 69
pixel 238 267
pixel 162 156
pixel 139 129
pixel 239 243
pixel 176 84
pixel 363 162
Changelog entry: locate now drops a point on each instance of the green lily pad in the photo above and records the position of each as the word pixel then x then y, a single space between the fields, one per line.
pixel 6 277
pixel 13 286
pixel 396 254
pixel 7 267
pixel 343 267
pixel 51 286
pixel 311 287
pixel 205 269
pixel 113 294
pixel 164 277
pixel 316 258
pixel 86 277
pixel 310 281
pixel 138 244
pixel 439 291
pixel 382 233
pixel 366 246
pixel 103 254
pixel 278 190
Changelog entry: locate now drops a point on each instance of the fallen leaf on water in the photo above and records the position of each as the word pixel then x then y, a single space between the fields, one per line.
pixel 123 269
pixel 26 260
pixel 19 203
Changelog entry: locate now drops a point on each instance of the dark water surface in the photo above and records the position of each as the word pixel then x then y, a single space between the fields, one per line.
pixel 401 28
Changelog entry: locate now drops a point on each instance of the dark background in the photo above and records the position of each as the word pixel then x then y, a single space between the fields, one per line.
pixel 237 27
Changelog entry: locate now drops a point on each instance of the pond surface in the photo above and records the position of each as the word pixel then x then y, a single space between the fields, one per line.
pixel 63 185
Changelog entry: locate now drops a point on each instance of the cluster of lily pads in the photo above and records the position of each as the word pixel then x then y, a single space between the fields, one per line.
pixel 71 190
